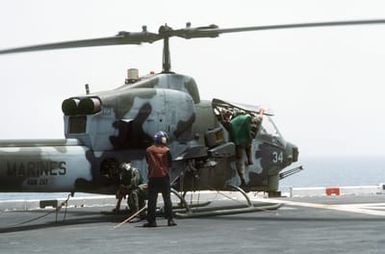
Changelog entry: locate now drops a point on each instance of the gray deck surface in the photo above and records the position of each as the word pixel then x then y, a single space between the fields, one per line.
pixel 295 228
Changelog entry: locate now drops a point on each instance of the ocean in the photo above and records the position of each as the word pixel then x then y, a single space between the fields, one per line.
pixel 318 172
pixel 338 171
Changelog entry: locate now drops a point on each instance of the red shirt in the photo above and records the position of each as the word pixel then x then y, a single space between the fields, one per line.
pixel 158 159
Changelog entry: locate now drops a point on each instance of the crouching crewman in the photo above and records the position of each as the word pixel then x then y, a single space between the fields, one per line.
pixel 131 186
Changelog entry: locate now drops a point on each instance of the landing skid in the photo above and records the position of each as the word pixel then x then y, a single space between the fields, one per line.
pixel 249 207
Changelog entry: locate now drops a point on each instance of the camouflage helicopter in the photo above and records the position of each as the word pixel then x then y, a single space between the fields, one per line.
pixel 104 129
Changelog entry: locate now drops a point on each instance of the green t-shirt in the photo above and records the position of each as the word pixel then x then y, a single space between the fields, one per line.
pixel 241 129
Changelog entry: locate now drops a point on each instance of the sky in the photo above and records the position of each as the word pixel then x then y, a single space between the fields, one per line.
pixel 325 85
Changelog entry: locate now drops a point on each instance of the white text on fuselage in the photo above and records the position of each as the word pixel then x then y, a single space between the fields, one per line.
pixel 36 168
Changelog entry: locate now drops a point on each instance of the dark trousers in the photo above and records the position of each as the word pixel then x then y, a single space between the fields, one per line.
pixel 156 185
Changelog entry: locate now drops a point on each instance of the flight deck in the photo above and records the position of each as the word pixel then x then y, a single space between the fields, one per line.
pixel 330 224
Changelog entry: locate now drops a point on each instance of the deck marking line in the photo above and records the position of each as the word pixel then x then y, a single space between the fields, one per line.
pixel 353 208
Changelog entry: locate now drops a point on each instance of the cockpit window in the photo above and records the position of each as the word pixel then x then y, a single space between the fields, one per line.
pixel 268 127
pixel 224 110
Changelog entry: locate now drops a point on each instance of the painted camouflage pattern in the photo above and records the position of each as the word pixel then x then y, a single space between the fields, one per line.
pixel 121 130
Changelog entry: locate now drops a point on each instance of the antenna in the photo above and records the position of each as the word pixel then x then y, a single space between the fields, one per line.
pixel 87 89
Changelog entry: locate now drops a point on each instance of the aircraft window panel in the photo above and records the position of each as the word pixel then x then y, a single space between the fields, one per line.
pixel 77 124
pixel 268 127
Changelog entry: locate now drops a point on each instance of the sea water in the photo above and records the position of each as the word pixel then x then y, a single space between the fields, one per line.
pixel 39 195
pixel 338 171
pixel 318 172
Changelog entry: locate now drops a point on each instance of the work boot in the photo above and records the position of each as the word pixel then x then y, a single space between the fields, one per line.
pixel 171 222
pixel 243 183
pixel 150 225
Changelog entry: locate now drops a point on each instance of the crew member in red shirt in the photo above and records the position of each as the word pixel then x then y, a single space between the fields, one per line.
pixel 159 160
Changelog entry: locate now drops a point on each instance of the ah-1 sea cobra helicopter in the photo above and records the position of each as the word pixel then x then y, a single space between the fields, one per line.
pixel 106 128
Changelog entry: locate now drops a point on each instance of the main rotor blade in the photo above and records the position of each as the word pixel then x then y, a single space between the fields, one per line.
pixel 303 25
pixel 120 39
pixel 214 31
pixel 187 33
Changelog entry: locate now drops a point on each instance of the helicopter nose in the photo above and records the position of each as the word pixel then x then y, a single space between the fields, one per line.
pixel 292 152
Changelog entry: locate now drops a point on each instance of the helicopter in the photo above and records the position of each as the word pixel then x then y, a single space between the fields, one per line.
pixel 107 128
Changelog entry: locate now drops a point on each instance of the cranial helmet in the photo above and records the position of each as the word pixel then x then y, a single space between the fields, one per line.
pixel 125 166
pixel 160 137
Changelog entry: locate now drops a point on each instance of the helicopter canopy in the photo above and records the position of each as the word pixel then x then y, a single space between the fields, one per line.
pixel 221 104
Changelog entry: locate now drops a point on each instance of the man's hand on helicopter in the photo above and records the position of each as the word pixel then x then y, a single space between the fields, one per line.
pixel 262 110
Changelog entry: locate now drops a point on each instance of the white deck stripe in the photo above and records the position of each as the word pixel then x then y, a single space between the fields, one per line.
pixel 353 208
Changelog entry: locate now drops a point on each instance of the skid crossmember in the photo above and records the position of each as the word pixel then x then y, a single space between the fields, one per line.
pixel 249 207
